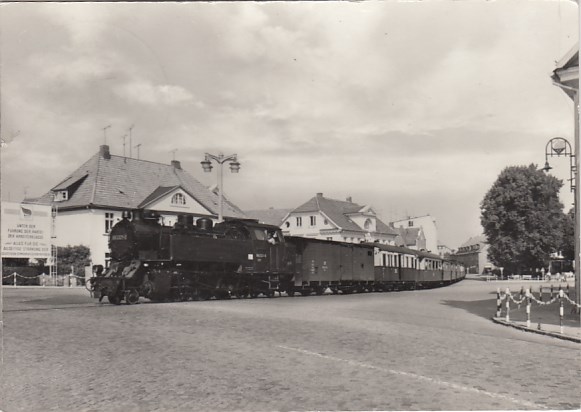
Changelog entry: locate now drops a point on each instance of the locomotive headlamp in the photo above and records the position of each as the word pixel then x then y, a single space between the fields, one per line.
pixel 235 166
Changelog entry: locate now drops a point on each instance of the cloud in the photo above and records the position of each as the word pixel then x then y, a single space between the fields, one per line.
pixel 147 93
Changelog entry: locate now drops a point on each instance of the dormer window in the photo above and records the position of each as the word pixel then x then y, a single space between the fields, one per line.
pixel 367 224
pixel 178 199
pixel 61 195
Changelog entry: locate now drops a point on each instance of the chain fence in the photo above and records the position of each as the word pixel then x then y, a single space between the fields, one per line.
pixel 69 280
pixel 558 297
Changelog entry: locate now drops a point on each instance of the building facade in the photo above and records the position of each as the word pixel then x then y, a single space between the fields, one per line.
pixel 473 255
pixel 428 226
pixel 88 202
pixel 331 219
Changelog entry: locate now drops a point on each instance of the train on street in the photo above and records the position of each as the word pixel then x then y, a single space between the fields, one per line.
pixel 244 258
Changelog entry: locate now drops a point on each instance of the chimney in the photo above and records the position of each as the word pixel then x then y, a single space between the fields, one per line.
pixel 349 199
pixel 104 151
pixel 176 164
pixel 319 195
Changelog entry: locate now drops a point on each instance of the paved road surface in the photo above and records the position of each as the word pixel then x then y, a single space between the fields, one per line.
pixel 420 350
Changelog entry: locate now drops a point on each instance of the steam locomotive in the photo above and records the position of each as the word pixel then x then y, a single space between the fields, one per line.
pixel 243 258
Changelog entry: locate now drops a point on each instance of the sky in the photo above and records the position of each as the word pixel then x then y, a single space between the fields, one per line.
pixel 413 108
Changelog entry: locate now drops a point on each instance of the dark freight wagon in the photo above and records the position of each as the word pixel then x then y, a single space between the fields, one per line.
pixel 322 264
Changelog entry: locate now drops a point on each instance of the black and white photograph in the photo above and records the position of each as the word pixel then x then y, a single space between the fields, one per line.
pixel 290 206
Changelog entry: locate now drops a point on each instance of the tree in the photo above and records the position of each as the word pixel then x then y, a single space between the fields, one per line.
pixel 568 246
pixel 76 256
pixel 522 218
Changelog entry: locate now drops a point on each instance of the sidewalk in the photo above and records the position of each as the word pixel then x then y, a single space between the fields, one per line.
pixel 544 319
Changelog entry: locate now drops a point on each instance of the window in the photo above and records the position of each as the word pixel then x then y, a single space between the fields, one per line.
pixel 260 234
pixel 411 223
pixel 178 199
pixel 61 196
pixel 313 220
pixel 329 238
pixel 299 221
pixel 287 224
pixel 367 224
pixel 109 219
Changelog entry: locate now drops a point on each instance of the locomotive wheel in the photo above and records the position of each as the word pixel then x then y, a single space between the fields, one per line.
pixel 131 296
pixel 114 299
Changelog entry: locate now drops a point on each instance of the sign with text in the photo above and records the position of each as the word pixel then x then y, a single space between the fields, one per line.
pixel 26 230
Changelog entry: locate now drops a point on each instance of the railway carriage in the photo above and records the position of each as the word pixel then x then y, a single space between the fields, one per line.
pixel 322 264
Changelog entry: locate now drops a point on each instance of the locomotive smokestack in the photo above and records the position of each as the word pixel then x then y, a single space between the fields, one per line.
pixel 319 194
pixel 176 164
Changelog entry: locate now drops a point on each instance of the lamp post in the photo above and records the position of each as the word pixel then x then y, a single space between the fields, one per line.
pixel 234 168
pixel 557 147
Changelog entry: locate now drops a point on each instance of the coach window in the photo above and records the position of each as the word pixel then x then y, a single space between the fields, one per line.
pixel 299 221
pixel 109 218
pixel 313 220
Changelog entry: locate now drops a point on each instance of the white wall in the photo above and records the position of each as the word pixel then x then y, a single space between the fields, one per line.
pixel 428 225
pixel 84 227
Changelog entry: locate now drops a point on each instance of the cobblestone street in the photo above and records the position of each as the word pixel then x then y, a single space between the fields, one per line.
pixel 418 350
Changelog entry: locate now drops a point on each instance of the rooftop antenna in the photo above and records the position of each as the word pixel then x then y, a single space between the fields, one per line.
pixel 174 153
pixel 138 146
pixel 130 140
pixel 105 133
pixel 123 137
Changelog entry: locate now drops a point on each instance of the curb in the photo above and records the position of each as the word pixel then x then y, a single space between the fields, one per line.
pixel 539 332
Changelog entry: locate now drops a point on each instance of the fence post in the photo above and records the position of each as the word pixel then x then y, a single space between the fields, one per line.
pixel 528 295
pixel 541 293
pixel 507 304
pixel 561 310
pixel 14 274
pixel 551 291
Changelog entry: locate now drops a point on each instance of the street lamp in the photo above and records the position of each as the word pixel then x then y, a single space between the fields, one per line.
pixel 220 159
pixel 557 147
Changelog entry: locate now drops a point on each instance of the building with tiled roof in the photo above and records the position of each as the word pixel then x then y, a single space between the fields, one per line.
pixel 331 219
pixel 428 225
pixel 412 238
pixel 269 216
pixel 93 198
pixel 473 254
